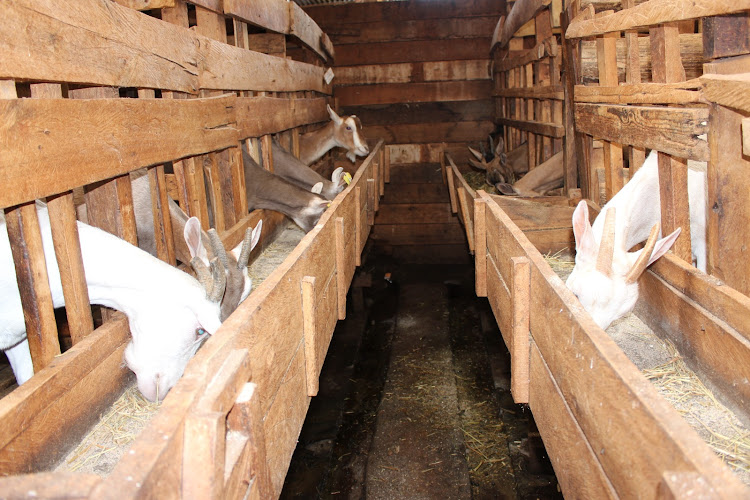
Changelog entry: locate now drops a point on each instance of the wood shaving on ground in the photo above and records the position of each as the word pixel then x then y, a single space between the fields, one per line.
pixel 663 366
pixel 104 445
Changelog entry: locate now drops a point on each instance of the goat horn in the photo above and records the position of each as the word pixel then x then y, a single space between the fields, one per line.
pixel 246 248
pixel 607 246
pixel 202 272
pixel 219 281
pixel 218 247
pixel 642 262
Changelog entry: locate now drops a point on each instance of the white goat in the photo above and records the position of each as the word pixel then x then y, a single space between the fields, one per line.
pixel 339 132
pixel 168 310
pixel 605 276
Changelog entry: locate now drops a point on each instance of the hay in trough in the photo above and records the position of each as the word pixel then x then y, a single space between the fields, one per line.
pixel 477 181
pixel 270 258
pixel 663 366
pixel 104 445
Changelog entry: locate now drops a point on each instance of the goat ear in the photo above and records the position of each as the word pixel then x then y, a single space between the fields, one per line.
pixel 662 246
pixel 336 118
pixel 477 165
pixel 317 188
pixel 499 147
pixel 336 176
pixel 477 154
pixel 237 251
pixel 585 242
pixel 192 235
pixel 505 188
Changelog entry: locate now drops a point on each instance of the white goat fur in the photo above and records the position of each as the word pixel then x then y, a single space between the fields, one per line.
pixel 165 306
pixel 638 209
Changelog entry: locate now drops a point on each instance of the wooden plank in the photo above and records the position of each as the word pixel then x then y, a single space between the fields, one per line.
pixel 64 229
pixel 522 12
pixel 77 386
pixel 728 184
pixel 310 334
pixel 416 173
pixel 420 133
pixel 480 246
pixel 422 112
pixel 535 127
pixel 643 93
pixel 33 283
pixel 452 191
pixel 437 71
pixel 348 13
pixel 405 30
pixel 671 130
pixel 520 343
pixel 725 36
pixel 575 463
pixel 545 92
pixel 412 51
pixel 731 91
pixel 102 146
pixel 425 234
pixel 652 13
pixel 282 17
pixel 467 211
pixel 416 193
pixel 546 47
pixel 49 485
pixel 408 213
pixel 391 93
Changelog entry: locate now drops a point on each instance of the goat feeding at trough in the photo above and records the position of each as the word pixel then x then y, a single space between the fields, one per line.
pixel 344 132
pixel 292 169
pixel 605 277
pixel 192 241
pixel 169 311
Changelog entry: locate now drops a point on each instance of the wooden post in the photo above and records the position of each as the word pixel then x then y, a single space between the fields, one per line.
pixel 463 198
pixel 308 326
pixel 666 66
pixel 520 346
pixel 357 223
pixel 636 156
pixel 162 222
pixel 480 245
pixel 341 271
pixel 452 191
pixel 33 283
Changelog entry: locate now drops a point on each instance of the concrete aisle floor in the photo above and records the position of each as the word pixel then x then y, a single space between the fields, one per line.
pixel 414 401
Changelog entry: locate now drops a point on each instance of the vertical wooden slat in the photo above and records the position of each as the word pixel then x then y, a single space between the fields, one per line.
pixel 666 67
pixel 543 25
pixel 636 156
pixel 606 53
pixel 464 198
pixel 62 214
pixel 576 172
pixel 309 331
pixel 357 223
pixel 371 201
pixel 387 164
pixel 520 353
pixel 239 194
pixel 33 283
pixel 341 271
pixel 480 247
pixel 267 152
pixel 213 174
pixel 452 191
pixel 160 208
pixel 203 477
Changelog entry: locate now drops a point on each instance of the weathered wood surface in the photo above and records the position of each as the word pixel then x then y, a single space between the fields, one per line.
pixel 392 93
pixel 413 51
pixel 418 133
pixel 643 93
pixel 653 13
pixel 388 31
pixel 97 48
pixel 521 13
pixel 544 48
pixel 671 130
pixel 282 17
pixel 412 72
pixel 732 91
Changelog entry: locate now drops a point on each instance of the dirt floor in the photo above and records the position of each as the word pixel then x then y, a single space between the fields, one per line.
pixel 414 399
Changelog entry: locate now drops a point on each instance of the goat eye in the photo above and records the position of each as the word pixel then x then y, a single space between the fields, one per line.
pixel 200 332
pixel 348 128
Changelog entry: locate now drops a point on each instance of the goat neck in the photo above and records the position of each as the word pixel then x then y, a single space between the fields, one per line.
pixel 341 132
pixel 292 169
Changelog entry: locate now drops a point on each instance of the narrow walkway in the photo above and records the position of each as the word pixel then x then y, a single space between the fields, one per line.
pixel 418 451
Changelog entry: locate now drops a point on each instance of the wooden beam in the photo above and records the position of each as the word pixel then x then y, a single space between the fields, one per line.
pixel 671 130
pixel 84 142
pixel 732 91
pixel 644 93
pixel 653 13
pixel 539 128
pixel 392 93
pixel 522 12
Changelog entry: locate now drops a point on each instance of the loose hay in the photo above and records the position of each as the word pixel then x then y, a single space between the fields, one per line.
pixel 268 260
pixel 663 366
pixel 109 439
pixel 477 181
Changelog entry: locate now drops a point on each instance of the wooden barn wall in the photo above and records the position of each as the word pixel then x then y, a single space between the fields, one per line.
pixel 417 73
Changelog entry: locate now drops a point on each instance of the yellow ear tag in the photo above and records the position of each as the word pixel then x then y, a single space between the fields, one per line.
pixel 347 178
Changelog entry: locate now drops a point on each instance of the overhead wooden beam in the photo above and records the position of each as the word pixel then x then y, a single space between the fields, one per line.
pixel 522 12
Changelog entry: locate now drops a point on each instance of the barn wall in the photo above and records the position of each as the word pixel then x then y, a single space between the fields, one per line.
pixel 417 73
